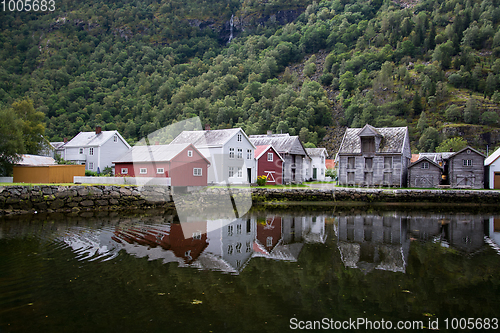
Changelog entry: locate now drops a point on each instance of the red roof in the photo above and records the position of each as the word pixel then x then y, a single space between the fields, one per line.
pixel 260 149
pixel 330 164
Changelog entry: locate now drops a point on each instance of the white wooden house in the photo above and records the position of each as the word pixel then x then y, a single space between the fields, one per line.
pixel 315 167
pixel 230 152
pixel 492 170
pixel 97 150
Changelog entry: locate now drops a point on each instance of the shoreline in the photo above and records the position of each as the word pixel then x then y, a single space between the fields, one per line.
pixel 33 199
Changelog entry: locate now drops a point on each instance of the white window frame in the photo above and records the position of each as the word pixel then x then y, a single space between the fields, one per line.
pixel 115 138
pixel 190 153
pixel 231 171
pixel 249 154
pixel 81 151
pixel 91 165
pixel 425 165
pixel 269 241
pixel 91 151
pixel 239 153
pixel 160 171
pixel 239 137
pixel 231 152
pixel 240 172
pixel 270 157
pixel 197 172
pixel 468 163
pixel 143 171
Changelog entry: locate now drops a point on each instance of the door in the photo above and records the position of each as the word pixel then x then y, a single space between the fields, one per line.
pixel 496 180
pixel 315 172
pixel 249 175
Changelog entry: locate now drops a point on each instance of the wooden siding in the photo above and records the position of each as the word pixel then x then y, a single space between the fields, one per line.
pixel 47 174
pixel 466 176
pixel 377 171
pixel 265 167
pixel 424 178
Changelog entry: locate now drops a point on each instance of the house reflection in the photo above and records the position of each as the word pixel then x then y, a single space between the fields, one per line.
pixel 382 242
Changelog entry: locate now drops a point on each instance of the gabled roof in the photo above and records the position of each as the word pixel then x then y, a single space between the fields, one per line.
pixel 424 159
pixel 86 139
pixel 316 152
pixel 260 150
pixel 436 157
pixel 369 130
pixel 156 153
pixel 283 143
pixel 57 145
pixel 393 139
pixel 464 149
pixel 212 138
pixel 493 157
pixel 35 160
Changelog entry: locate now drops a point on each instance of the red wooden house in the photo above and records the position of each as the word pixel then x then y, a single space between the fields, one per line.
pixel 183 163
pixel 269 163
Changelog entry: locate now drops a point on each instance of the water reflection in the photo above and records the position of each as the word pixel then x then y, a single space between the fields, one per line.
pixel 382 241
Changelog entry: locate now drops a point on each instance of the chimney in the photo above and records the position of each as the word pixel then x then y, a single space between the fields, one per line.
pixel 269 132
pixel 98 129
pixel 207 127
pixel 65 140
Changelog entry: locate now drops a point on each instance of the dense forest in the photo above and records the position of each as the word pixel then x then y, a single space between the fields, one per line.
pixel 137 66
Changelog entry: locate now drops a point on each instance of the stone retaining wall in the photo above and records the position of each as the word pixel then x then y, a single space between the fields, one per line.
pixel 52 198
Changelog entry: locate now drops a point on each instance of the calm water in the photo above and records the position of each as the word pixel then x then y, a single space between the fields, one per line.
pixel 269 271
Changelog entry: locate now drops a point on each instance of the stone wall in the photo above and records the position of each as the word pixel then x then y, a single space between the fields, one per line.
pixel 52 198
pixel 47 198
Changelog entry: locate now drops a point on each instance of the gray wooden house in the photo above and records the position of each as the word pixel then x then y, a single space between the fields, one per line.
pixel 292 151
pixel 372 156
pixel 466 169
pixel 424 173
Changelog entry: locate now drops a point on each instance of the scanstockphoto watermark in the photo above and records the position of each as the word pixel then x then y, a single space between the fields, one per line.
pixel 382 324
pixel 356 324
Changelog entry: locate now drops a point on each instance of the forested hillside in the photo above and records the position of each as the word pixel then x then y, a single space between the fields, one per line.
pixel 299 66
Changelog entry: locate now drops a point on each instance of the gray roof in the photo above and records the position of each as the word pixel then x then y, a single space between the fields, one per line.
pixel 422 159
pixel 35 160
pixel 283 143
pixel 435 157
pixel 155 153
pixel 57 145
pixel 316 151
pixel 393 139
pixel 84 139
pixel 207 138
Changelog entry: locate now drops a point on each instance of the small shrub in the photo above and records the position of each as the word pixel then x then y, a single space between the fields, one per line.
pixel 261 180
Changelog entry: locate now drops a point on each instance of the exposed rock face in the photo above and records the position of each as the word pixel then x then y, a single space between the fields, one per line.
pixel 475 135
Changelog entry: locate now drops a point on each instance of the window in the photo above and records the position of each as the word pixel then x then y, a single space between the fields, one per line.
pixel 249 226
pixel 197 172
pixel 91 165
pixel 425 165
pixel 229 230
pixel 248 247
pixel 239 137
pixel 269 241
pixel 240 153
pixel 231 172
pixel 269 157
pixel 387 178
pixel 322 172
pixel 124 171
pixel 81 150
pixel 115 138
pixel 91 151
pixel 368 178
pixel 249 154
pixel 240 173
pixel 238 229
pixel 197 235
pixel 190 153
pixel 160 170
pixel 238 247
pixel 231 152
pixel 367 145
pixel 350 177
pixel 143 171
pixel 388 162
pixel 230 249
pixel 368 162
pixel 467 162
pixel 351 163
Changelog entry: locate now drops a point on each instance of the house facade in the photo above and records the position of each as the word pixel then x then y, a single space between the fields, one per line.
pixel 183 163
pixel 492 170
pixel 315 166
pixel 269 163
pixel 97 150
pixel 230 152
pixel 466 169
pixel 372 156
pixel 291 150
pixel 424 173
